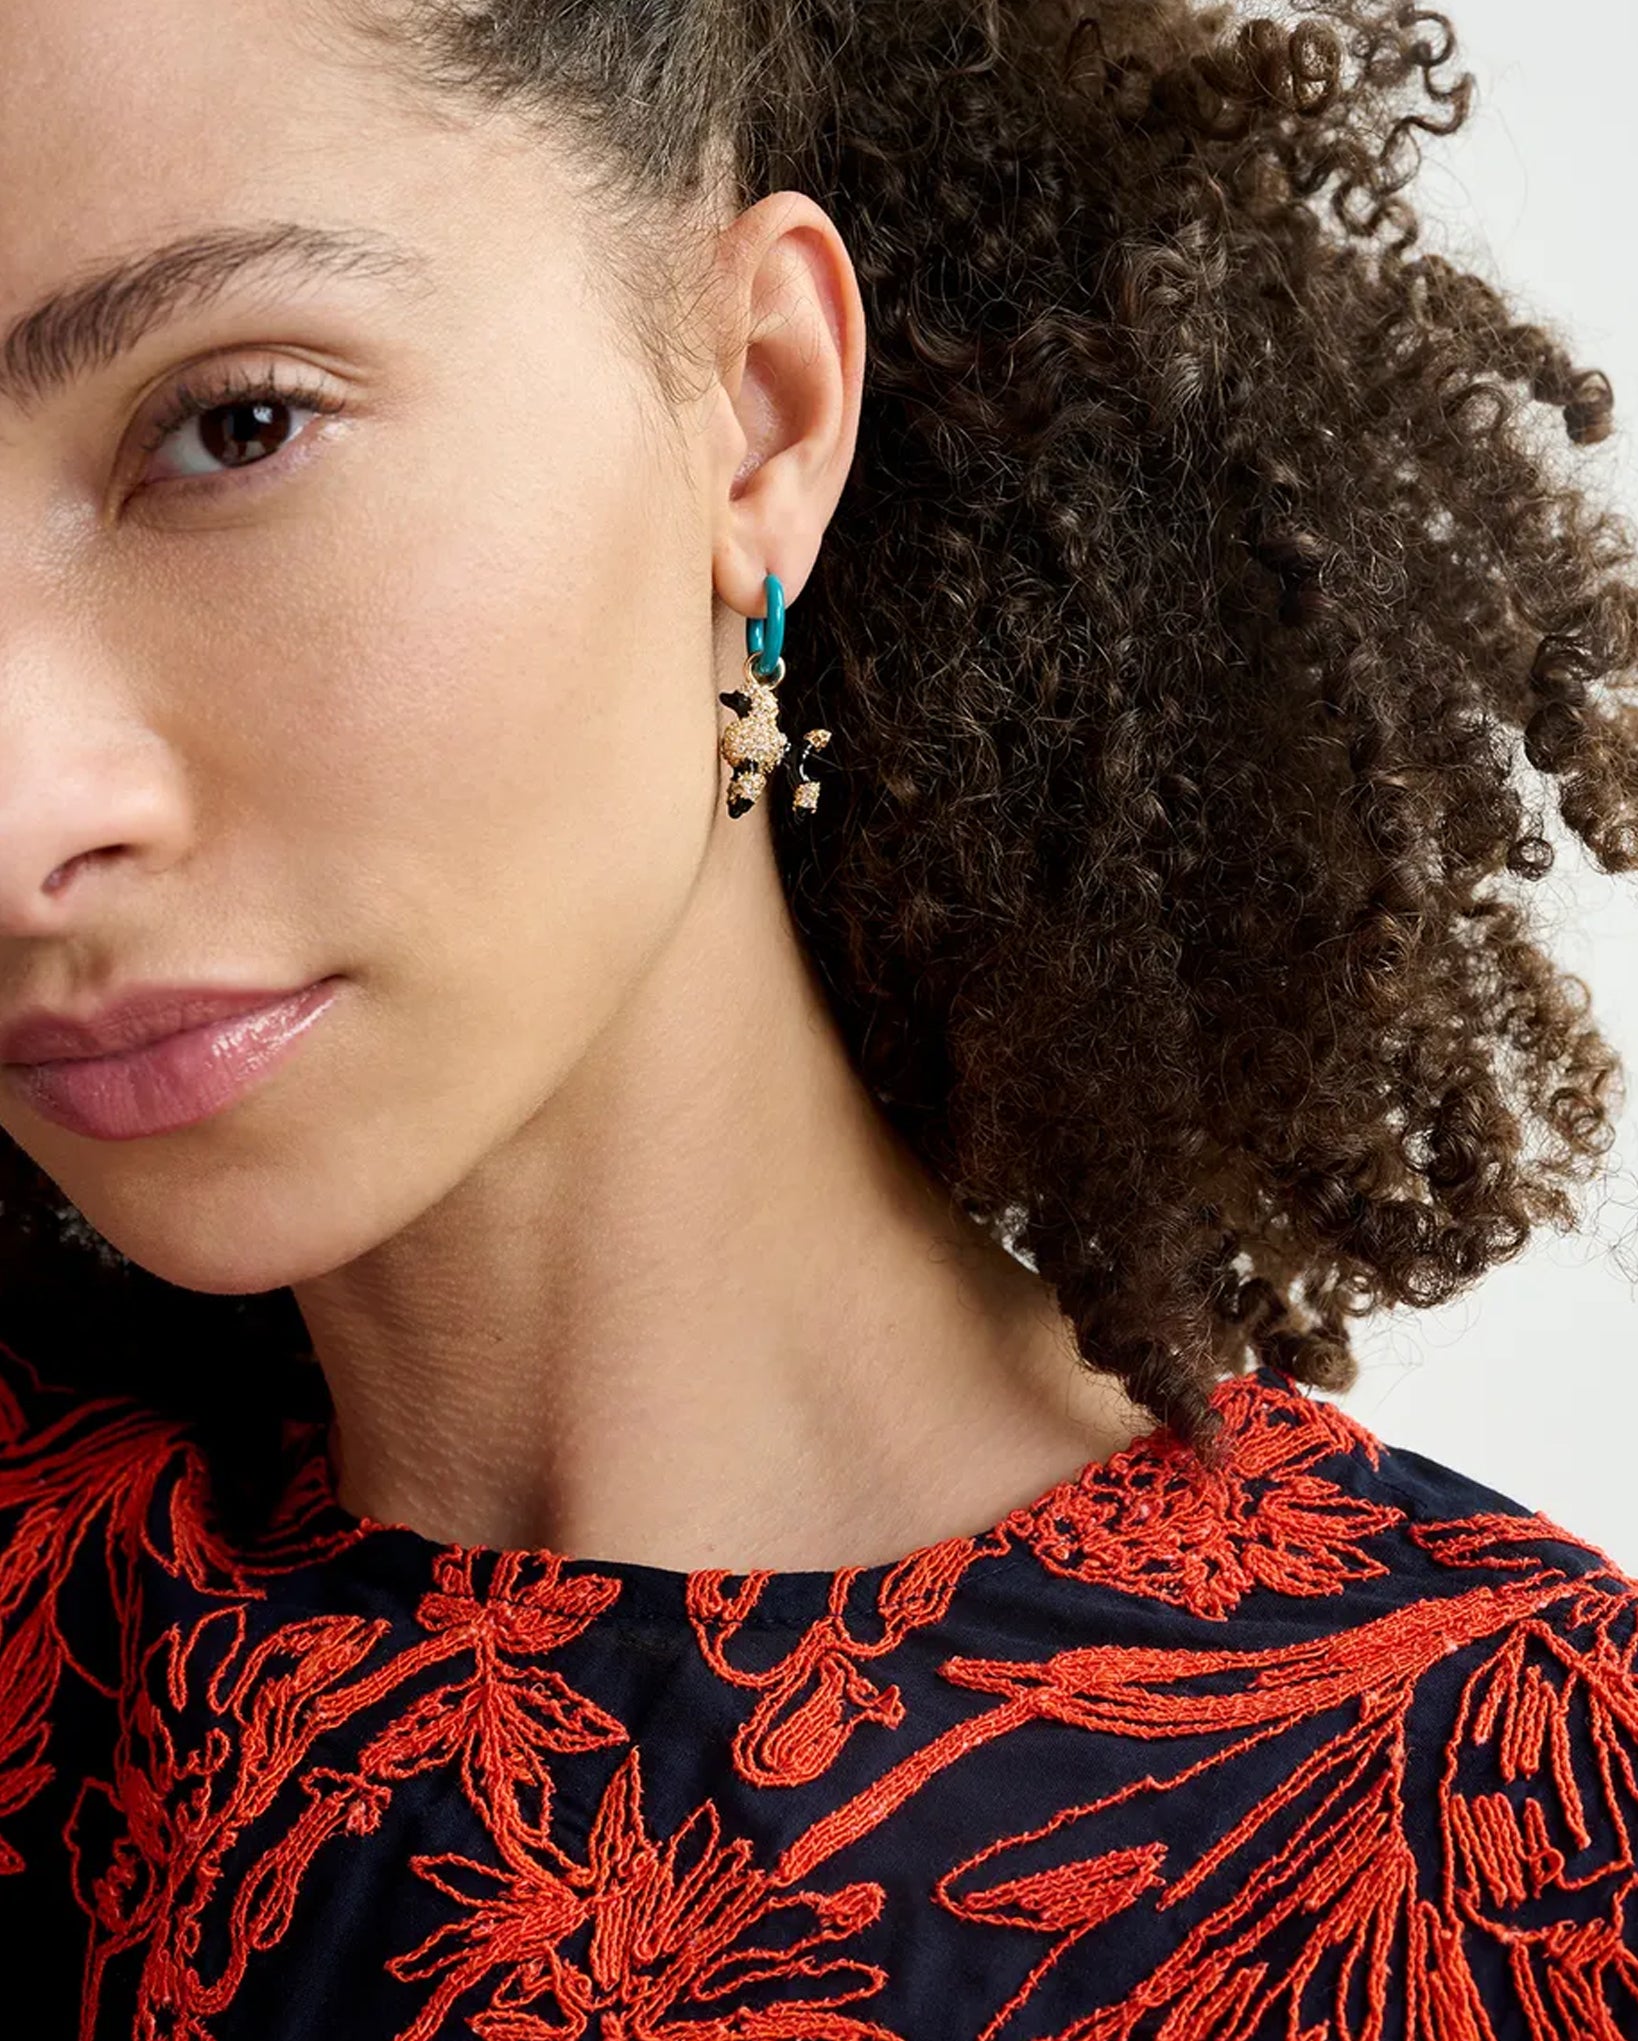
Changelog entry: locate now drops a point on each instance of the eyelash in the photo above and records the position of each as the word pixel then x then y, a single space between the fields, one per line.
pixel 189 400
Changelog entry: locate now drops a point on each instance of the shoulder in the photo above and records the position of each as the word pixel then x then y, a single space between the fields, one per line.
pixel 1444 1524
pixel 116 1520
pixel 1517 1633
pixel 63 1452
pixel 94 1486
pixel 1499 1686
pixel 1306 1504
pixel 78 1478
pixel 1384 1720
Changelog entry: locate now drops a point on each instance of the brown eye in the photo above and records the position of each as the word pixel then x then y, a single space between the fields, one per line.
pixel 238 434
pixel 234 424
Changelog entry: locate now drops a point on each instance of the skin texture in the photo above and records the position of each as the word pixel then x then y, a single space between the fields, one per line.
pixel 600 1241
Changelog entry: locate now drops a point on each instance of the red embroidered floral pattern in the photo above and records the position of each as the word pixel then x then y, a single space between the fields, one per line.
pixel 666 1946
pixel 815 1695
pixel 1152 1523
pixel 1165 1756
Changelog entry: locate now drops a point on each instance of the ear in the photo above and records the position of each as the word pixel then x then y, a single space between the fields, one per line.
pixel 784 422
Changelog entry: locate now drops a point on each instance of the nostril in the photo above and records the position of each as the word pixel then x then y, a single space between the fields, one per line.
pixel 56 881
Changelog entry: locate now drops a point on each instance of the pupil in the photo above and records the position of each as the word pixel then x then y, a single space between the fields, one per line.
pixel 229 423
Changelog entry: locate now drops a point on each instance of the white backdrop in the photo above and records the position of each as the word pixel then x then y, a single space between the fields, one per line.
pixel 1530 1382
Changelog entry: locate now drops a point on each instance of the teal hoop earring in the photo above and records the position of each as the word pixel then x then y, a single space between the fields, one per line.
pixel 753 744
pixel 765 636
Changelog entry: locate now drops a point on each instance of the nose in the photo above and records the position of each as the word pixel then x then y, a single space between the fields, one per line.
pixel 71 806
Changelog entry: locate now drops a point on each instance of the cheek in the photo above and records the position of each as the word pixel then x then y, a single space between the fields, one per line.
pixel 520 733
pixel 474 752
pixel 525 778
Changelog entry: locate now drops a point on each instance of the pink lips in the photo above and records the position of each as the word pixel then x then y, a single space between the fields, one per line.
pixel 172 1082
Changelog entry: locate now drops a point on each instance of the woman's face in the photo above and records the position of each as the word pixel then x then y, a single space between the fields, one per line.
pixel 416 684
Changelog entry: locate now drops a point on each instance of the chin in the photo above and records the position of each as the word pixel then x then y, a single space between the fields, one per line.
pixel 214 1244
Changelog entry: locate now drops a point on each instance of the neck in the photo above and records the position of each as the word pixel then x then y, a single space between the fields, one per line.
pixel 706 1309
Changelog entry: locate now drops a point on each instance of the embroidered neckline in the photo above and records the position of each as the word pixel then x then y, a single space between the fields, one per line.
pixel 242 1739
pixel 1126 1481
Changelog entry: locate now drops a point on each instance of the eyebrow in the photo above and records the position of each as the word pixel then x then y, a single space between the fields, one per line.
pixel 87 324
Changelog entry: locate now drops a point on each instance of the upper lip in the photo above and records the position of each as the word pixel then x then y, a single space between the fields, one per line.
pixel 133 1022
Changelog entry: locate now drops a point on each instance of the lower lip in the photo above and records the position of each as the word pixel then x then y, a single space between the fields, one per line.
pixel 176 1082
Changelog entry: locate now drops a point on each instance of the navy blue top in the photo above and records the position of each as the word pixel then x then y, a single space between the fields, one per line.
pixel 1332 1744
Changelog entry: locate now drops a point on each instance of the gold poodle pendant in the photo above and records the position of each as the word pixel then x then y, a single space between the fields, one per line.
pixel 754 745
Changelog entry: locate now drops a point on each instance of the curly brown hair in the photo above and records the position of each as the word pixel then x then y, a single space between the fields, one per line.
pixel 1197 570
